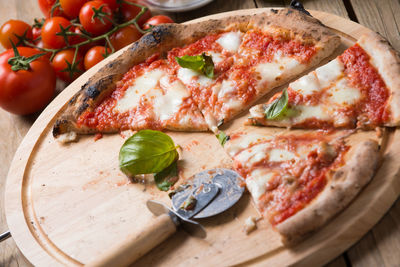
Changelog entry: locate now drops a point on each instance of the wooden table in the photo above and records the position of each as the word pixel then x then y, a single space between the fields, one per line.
pixel 380 247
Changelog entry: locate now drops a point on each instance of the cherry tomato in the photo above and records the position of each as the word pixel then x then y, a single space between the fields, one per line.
pixel 26 91
pixel 95 26
pixel 62 62
pixel 10 29
pixel 37 28
pixel 160 19
pixel 112 4
pixel 95 55
pixel 45 7
pixel 71 7
pixel 124 37
pixel 129 12
pixel 51 27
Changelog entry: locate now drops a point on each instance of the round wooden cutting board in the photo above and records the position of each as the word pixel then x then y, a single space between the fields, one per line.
pixel 67 204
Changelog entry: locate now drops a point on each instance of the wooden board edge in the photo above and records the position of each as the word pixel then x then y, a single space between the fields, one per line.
pixel 13 205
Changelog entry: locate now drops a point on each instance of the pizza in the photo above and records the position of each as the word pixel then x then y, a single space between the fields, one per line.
pixel 358 89
pixel 196 77
pixel 300 179
pixel 146 88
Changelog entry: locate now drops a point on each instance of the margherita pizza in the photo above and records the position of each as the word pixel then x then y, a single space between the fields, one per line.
pixel 358 89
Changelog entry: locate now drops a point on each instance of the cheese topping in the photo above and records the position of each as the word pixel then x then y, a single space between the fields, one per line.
pixel 330 72
pixel 230 41
pixel 306 85
pixel 343 94
pixel 141 86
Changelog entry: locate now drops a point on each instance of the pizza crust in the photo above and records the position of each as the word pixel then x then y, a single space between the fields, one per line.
pixel 165 37
pixel 387 61
pixel 344 185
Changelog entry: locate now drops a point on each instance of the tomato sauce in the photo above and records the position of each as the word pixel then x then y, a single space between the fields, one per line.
pixel 365 77
pixel 264 47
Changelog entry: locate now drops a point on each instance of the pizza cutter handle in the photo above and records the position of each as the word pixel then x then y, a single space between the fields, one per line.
pixel 135 247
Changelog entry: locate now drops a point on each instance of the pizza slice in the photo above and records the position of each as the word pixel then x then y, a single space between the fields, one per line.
pixel 250 60
pixel 145 87
pixel 299 180
pixel 358 89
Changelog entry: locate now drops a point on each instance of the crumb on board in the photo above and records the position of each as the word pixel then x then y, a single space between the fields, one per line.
pixel 250 224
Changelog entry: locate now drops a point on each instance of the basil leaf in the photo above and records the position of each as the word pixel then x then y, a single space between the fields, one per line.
pixel 208 68
pixel 167 177
pixel 191 62
pixel 147 151
pixel 277 107
pixel 200 63
pixel 222 138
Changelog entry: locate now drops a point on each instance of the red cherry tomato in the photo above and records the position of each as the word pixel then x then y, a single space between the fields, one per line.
pixel 95 55
pixel 129 11
pixel 160 19
pixel 26 91
pixel 125 36
pixel 10 29
pixel 112 4
pixel 45 7
pixel 37 28
pixel 51 27
pixel 62 62
pixel 95 26
pixel 72 7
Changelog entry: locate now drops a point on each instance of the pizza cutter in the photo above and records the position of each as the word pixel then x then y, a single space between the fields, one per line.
pixel 210 193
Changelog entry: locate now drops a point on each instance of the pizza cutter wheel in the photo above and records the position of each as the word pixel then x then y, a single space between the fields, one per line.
pixel 210 193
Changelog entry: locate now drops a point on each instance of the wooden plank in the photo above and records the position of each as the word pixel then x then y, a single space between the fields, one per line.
pixel 381 246
pixel 381 16
pixel 214 7
pixel 333 6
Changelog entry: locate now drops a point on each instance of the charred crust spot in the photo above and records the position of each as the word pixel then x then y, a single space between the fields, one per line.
pixel 73 99
pixel 339 174
pixel 58 127
pixel 299 7
pixel 92 92
pixel 82 108
pixel 274 11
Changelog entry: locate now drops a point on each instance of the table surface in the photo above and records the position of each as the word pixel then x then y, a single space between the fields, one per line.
pixel 379 247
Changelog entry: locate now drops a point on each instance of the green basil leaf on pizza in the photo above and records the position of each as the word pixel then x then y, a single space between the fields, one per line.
pixel 200 63
pixel 277 107
pixel 146 152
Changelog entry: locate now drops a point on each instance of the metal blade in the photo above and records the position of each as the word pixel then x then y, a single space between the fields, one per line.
pixel 199 196
pixel 230 190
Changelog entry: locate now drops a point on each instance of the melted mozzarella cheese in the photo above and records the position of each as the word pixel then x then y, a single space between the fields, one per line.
pixel 216 57
pixel 253 155
pixel 306 85
pixel 141 86
pixel 330 72
pixel 230 41
pixel 343 94
pixel 226 88
pixel 308 112
pixel 245 141
pixel 280 155
pixel 257 182
pixel 188 75
pixel 165 105
pixel 271 72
